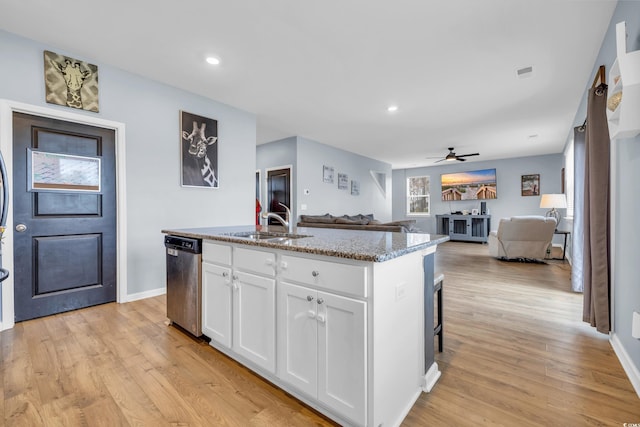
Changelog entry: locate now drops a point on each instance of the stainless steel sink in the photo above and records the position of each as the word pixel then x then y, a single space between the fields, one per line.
pixel 271 236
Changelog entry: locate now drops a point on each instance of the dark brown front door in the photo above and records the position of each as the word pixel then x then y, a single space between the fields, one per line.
pixel 65 240
pixel 279 191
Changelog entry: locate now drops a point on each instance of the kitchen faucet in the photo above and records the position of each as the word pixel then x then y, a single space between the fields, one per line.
pixel 286 222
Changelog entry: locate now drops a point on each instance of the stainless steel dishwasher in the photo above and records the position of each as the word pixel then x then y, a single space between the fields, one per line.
pixel 184 282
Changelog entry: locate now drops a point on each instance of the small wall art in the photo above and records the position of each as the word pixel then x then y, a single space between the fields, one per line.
pixel 71 82
pixel 355 188
pixel 343 181
pixel 327 174
pixel 199 151
pixel 530 185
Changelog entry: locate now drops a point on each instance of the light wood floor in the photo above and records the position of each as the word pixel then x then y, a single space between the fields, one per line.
pixel 516 354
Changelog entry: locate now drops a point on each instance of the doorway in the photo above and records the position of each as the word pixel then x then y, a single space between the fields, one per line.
pixel 7 109
pixel 64 204
pixel 278 191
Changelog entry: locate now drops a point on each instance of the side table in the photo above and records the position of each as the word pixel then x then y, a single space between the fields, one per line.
pixel 564 247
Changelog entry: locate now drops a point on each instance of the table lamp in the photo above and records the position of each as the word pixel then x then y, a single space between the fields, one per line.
pixel 553 201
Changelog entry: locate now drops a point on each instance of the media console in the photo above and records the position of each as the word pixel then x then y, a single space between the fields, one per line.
pixel 468 228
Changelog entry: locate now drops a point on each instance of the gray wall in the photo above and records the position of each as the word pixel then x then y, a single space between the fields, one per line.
pixel 625 201
pixel 510 202
pixel 273 155
pixel 155 199
pixel 310 157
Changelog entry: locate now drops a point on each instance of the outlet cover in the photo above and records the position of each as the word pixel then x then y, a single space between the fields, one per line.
pixel 635 326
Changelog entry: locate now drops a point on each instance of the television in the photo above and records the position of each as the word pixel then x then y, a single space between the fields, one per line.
pixel 473 185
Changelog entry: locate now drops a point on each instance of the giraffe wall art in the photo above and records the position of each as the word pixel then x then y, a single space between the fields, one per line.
pixel 70 82
pixel 199 150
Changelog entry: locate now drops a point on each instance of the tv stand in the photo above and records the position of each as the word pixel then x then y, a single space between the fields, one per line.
pixel 467 228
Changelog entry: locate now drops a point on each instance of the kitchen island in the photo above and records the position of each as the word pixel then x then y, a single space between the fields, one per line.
pixel 341 319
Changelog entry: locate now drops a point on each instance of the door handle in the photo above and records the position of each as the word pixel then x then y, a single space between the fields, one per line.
pixel 21 228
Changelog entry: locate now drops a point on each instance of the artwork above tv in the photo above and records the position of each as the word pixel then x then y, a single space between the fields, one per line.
pixel 473 185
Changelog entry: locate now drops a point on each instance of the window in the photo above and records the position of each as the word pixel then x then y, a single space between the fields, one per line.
pixel 418 197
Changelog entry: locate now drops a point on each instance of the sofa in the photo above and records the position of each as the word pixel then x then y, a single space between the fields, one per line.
pixel 356 222
pixel 522 237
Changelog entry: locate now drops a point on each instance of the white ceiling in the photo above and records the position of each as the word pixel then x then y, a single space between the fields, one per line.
pixel 327 69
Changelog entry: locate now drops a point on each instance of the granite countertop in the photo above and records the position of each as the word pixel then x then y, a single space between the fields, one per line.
pixel 363 245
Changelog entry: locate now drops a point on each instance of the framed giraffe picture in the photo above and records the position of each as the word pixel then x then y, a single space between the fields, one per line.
pixel 199 151
pixel 70 82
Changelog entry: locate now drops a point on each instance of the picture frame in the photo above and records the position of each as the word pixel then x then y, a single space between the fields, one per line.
pixel 469 185
pixel 474 211
pixel 70 82
pixel 198 151
pixel 530 185
pixel 327 174
pixel 343 181
pixel 355 188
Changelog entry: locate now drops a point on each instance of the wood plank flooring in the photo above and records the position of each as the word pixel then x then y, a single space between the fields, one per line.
pixel 516 353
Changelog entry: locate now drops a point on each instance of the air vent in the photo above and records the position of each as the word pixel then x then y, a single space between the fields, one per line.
pixel 524 72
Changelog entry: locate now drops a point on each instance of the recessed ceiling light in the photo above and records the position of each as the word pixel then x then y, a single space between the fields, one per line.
pixel 392 108
pixel 213 60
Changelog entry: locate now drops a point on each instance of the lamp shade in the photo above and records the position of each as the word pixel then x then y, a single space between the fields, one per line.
pixel 549 201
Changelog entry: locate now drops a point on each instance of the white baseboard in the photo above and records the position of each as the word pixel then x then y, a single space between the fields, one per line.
pixel 430 378
pixel 632 370
pixel 146 294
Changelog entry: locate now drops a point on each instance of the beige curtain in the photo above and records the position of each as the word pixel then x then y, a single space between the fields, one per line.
pixel 596 255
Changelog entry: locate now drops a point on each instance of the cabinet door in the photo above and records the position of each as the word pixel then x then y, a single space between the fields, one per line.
pixel 297 337
pixel 254 319
pixel 459 228
pixel 342 363
pixel 216 303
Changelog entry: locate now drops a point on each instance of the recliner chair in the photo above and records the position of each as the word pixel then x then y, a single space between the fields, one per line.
pixel 522 237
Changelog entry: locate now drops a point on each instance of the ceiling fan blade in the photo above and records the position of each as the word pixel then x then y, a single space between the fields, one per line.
pixel 461 160
pixel 438 161
pixel 468 155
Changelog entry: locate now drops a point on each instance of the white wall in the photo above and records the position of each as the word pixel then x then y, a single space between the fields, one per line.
pixel 510 201
pixel 327 198
pixel 625 204
pixel 274 155
pixel 310 157
pixel 150 112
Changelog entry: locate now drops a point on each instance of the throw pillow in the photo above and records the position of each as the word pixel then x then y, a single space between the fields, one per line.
pixel 322 219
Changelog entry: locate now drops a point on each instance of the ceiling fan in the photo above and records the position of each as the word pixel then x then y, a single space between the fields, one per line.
pixel 452 156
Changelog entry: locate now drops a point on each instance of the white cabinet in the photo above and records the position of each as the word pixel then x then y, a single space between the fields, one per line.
pixel 217 301
pixel 254 319
pixel 322 347
pixel 239 305
pixel 342 335
pixel 298 337
pixel 623 105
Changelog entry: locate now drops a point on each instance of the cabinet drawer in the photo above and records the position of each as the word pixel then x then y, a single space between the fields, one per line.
pixel 215 252
pixel 349 279
pixel 256 261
